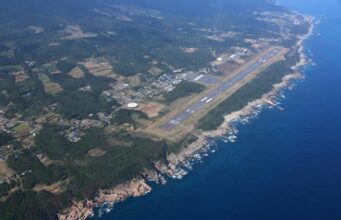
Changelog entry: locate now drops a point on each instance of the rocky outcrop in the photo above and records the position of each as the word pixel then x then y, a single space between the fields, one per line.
pixel 78 210
pixel 134 188
pixel 83 209
pixel 153 176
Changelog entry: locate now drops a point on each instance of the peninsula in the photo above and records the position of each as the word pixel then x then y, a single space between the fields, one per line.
pixel 100 98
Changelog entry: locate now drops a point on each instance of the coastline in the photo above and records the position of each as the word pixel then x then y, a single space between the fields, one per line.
pixel 268 99
pixel 139 187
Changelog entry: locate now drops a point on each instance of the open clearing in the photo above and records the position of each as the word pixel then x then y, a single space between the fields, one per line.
pixel 23 129
pixel 54 188
pixel 155 71
pixel 48 118
pixel 53 88
pixel 51 68
pixel 96 152
pixel 5 171
pixel 100 69
pixel 152 110
pixel 20 76
pixel 75 32
pixel 76 73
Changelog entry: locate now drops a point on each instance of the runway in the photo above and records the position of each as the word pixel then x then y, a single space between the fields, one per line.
pixel 222 88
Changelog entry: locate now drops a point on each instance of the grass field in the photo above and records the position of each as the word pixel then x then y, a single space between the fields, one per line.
pixel 23 129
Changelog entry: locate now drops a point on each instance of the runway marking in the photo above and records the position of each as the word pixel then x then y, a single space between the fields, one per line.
pixel 222 88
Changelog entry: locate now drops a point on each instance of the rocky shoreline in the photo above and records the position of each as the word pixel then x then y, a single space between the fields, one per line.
pixel 82 210
pixel 268 99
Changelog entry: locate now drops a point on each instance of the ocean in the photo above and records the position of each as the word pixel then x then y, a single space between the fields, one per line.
pixel 284 164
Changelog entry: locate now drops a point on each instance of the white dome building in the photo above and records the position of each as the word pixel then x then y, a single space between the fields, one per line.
pixel 132 105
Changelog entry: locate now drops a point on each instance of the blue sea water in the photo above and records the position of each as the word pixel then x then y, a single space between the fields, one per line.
pixel 284 165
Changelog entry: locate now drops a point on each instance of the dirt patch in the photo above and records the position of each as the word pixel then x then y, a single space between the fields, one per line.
pixel 76 73
pixel 53 88
pixel 152 109
pixel 5 171
pixel 227 68
pixel 48 118
pixel 27 142
pixel 97 68
pixel 44 159
pixel 20 76
pixel 155 71
pixel 54 188
pixel 96 152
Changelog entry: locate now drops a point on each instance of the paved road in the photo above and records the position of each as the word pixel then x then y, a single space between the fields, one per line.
pixel 183 116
